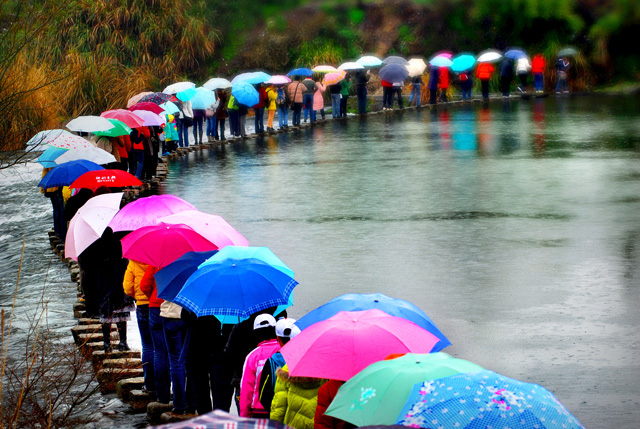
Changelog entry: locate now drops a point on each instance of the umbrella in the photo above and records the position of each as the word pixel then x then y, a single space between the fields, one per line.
pixel 489 56
pixel 515 54
pixel 65 174
pixel 172 278
pixel 170 107
pixel 463 62
pixel 245 93
pixel 131 120
pixel 119 129
pixel 151 107
pixel 567 52
pixel 111 178
pixel 484 399
pixel 414 70
pixel 343 345
pixel 89 223
pixel 48 157
pixel 46 136
pixel 150 119
pixel 219 419
pixel 369 61
pixel 324 69
pixel 391 382
pixel 146 211
pixel 418 64
pixel 368 301
pixel 186 95
pixel 278 80
pixel 302 71
pixel 92 154
pixel 203 98
pixel 89 124
pixel 157 98
pixel 212 227
pixel 217 83
pixel 70 141
pixel 394 72
pixel 252 78
pixel 235 287
pixel 350 65
pixel 394 59
pixel 178 87
pixel 441 61
pixel 247 252
pixel 136 98
pixel 333 78
pixel 162 243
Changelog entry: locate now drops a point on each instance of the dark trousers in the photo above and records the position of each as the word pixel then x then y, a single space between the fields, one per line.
pixel 259 120
pixel 150 165
pixel 297 113
pixel 234 122
pixel 433 96
pixel 505 85
pixel 343 106
pixel 484 83
pixel 361 91
pixel 387 97
pixel 397 91
pixel 59 222
pixel 133 163
pixel 160 356
pixel 221 126
pixel 523 81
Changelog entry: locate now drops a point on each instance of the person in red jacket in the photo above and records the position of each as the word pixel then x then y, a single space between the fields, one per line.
pixel 484 72
pixel 537 68
pixel 443 84
pixel 259 109
pixel 326 394
pixel 387 95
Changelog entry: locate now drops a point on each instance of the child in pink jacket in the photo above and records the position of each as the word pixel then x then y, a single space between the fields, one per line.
pixel 318 99
pixel 264 328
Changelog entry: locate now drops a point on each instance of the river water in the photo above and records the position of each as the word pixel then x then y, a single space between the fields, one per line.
pixel 515 227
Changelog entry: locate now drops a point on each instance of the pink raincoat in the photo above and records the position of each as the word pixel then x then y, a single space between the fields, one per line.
pixel 318 100
pixel 249 388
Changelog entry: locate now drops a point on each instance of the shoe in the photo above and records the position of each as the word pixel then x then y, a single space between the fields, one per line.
pixel 107 348
pixel 165 154
pixel 123 347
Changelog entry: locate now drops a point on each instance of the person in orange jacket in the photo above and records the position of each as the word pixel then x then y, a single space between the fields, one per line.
pixel 537 68
pixel 484 72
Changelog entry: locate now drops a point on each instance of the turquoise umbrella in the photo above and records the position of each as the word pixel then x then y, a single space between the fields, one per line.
pixel 246 252
pixel 245 93
pixel 170 107
pixel 203 98
pixel 186 94
pixel 463 62
pixel 48 157
pixel 369 61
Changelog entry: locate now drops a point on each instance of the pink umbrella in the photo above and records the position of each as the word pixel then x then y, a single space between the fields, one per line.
pixel 89 223
pixel 125 116
pixel 146 211
pixel 161 244
pixel 278 80
pixel 150 119
pixel 344 344
pixel 212 227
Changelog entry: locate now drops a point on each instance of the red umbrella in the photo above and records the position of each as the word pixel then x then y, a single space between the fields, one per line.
pixel 108 178
pixel 161 244
pixel 125 116
pixel 147 105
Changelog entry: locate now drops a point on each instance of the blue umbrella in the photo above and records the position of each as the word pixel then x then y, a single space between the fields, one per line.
pixel 65 174
pixel 235 287
pixel 360 302
pixel 203 98
pixel 484 399
pixel 394 72
pixel 245 93
pixel 251 77
pixel 247 252
pixel 172 278
pixel 394 59
pixel 462 62
pixel 186 95
pixel 303 71
pixel 515 54
pixel 48 157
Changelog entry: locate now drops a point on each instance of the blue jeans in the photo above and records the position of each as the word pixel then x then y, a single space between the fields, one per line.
pixel 183 133
pixel 335 105
pixel 307 100
pixel 59 222
pixel 211 126
pixel 537 80
pixel 466 94
pixel 142 314
pixel 175 333
pixel 160 356
pixel 283 116
pixel 140 162
pixel 234 123
pixel 259 120
pixel 415 93
pixel 362 99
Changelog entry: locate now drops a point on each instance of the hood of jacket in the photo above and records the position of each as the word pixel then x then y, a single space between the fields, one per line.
pixel 303 382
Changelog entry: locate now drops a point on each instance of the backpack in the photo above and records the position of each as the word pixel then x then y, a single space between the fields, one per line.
pixel 282 99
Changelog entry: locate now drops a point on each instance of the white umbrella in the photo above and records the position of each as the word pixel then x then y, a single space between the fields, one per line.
pixel 92 154
pixel 70 141
pixel 217 83
pixel 46 136
pixel 324 69
pixel 350 65
pixel 89 124
pixel 489 56
pixel 418 64
pixel 89 223
pixel 369 61
pixel 178 87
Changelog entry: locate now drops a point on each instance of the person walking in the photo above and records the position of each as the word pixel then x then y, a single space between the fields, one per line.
pixel 416 86
pixel 318 101
pixel 221 112
pixel 282 104
pixel 345 89
pixel 259 109
pixel 334 91
pixel 310 88
pixel 562 67
pixel 484 72
pixel 522 70
pixel 432 84
pixel 506 76
pixel 272 95
pixel 361 80
pixel 537 68
pixel 296 95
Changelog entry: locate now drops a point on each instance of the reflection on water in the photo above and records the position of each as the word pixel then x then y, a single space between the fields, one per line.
pixel 515 226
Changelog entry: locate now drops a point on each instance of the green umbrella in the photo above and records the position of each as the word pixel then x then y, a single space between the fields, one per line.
pixel 377 394
pixel 119 129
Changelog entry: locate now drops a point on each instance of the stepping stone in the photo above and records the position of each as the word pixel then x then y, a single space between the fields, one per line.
pixel 78 330
pixel 126 386
pixel 139 399
pixel 99 356
pixel 108 377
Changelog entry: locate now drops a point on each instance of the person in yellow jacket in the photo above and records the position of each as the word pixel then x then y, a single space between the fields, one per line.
pixel 272 95
pixel 295 399
pixel 131 284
